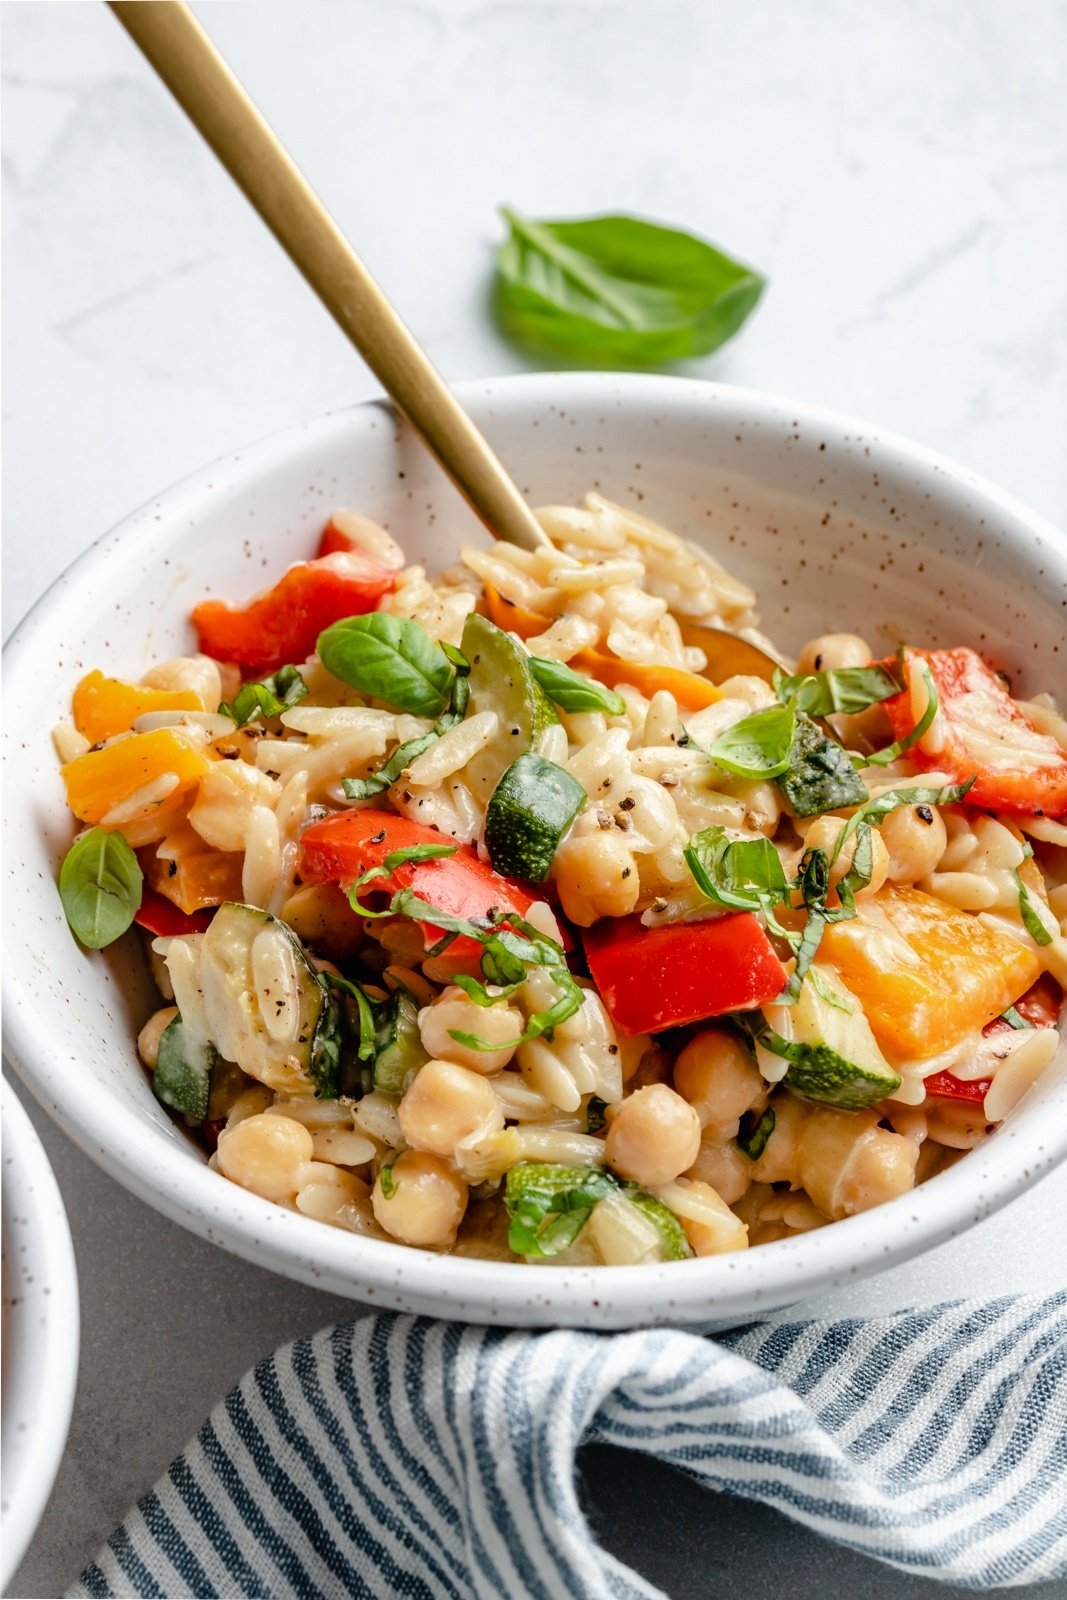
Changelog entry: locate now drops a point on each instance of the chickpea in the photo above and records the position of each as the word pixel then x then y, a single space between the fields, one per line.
pixel 718 1077
pixel 823 835
pixel 266 1154
pixel 915 837
pixel 596 876
pixel 654 1136
pixel 724 1167
pixel 426 1200
pixel 847 1163
pixel 445 1103
pixel 832 651
pixel 150 1035
pixel 454 1010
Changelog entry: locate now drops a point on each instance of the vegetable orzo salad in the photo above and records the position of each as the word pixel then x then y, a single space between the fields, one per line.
pixel 484 921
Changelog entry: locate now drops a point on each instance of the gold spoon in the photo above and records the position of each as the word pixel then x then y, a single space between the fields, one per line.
pixel 170 37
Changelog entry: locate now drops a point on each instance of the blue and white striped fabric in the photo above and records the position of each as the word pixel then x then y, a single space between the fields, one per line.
pixel 401 1457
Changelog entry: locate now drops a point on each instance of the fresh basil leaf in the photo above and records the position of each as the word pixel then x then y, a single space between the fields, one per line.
pixel 754 1132
pixel 267 698
pixel 549 1205
pixel 571 692
pixel 100 885
pixel 882 758
pixel 618 290
pixel 846 689
pixel 759 745
pixel 740 873
pixel 391 659
pixel 414 853
pixel 820 776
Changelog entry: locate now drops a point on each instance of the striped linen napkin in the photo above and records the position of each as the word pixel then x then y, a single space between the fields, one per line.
pixel 396 1456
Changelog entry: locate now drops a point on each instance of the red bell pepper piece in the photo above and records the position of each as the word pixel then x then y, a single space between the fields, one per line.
pixel 946 1086
pixel 342 847
pixel 655 978
pixel 163 918
pixel 282 624
pixel 1029 772
pixel 1040 1006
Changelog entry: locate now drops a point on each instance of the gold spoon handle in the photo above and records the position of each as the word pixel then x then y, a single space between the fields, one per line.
pixel 175 44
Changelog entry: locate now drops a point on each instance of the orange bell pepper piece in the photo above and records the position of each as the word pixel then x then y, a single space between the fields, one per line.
pixel 103 706
pixel 513 618
pixel 194 882
pixel 691 691
pixel 925 973
pixel 98 780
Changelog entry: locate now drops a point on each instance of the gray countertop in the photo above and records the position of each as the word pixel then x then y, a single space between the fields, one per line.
pixel 898 171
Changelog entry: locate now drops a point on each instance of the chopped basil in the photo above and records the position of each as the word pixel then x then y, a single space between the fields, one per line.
pixel 918 795
pixel 549 1205
pixel 882 758
pixel 1032 921
pixel 365 1011
pixel 759 746
pixel 100 885
pixel 389 658
pixel 743 874
pixel 754 1132
pixel 595 1120
pixel 404 754
pixel 618 290
pixel 847 689
pixel 267 698
pixel 386 1182
pixel 572 692
pixel 1014 1018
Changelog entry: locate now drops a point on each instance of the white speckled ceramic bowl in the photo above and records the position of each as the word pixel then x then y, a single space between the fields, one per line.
pixel 40 1301
pixel 835 524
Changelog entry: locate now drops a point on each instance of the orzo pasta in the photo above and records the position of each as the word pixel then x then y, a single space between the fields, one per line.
pixel 485 922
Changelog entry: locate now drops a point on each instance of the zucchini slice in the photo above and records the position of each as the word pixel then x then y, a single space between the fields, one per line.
pixel 502 680
pixel 820 777
pixel 182 1079
pixel 264 1008
pixel 400 1051
pixel 530 810
pixel 833 1056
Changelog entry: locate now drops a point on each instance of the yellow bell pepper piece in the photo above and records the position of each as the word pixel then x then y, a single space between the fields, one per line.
pixel 98 780
pixel 925 973
pixel 105 706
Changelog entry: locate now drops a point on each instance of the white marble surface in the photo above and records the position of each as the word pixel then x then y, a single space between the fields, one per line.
pixel 899 171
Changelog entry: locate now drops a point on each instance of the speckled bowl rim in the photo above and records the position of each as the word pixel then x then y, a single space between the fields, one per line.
pixel 710 1291
pixel 38 1394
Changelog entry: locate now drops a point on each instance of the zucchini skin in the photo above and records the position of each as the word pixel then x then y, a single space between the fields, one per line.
pixel 182 1077
pixel 528 814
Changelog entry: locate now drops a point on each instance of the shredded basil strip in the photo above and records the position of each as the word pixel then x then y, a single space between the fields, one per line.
pixel 876 810
pixel 882 758
pixel 100 885
pixel 740 873
pixel 267 698
pixel 837 689
pixel 619 290
pixel 365 1009
pixel 1032 921
pixel 404 754
pixel 549 1205
pixel 1015 1019
pixel 386 1182
pixel 759 746
pixel 572 692
pixel 391 659
pixel 754 1132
